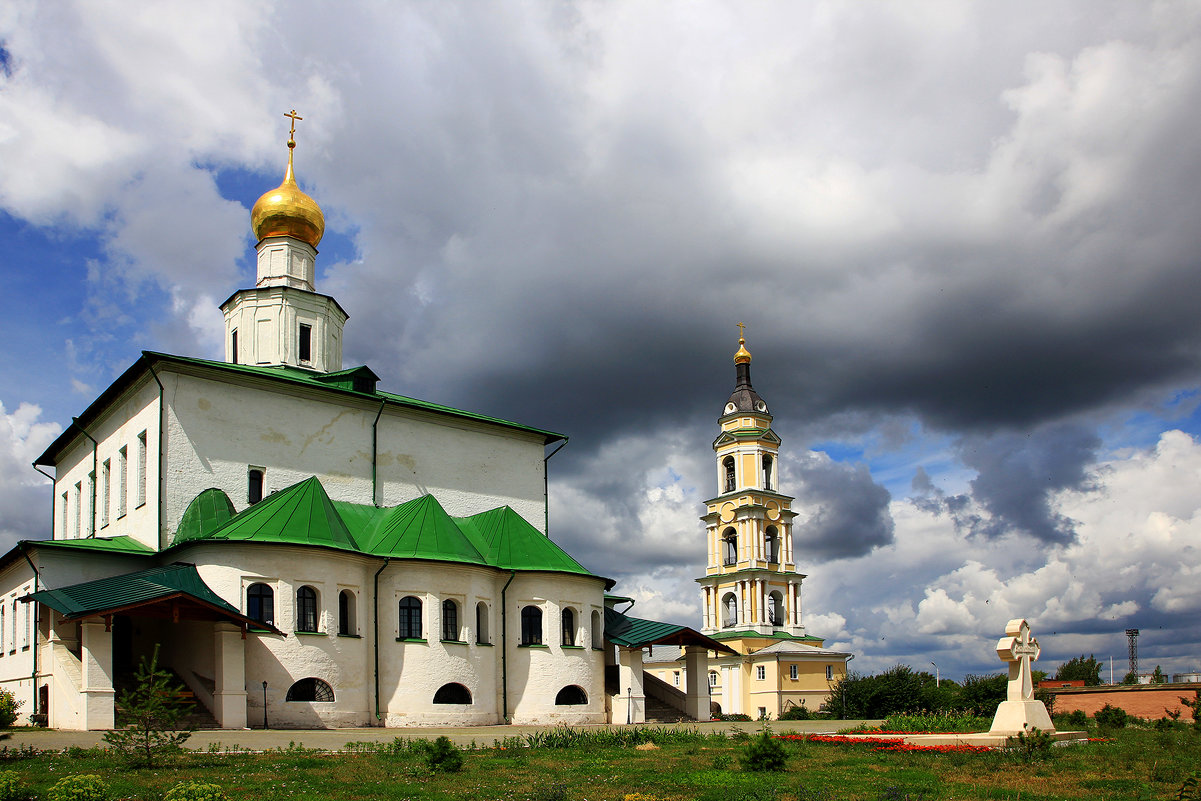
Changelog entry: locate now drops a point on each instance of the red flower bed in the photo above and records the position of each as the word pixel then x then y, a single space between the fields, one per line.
pixel 887 744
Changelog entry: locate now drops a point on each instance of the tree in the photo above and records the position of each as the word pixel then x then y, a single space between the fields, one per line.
pixel 981 694
pixel 1158 676
pixel 1080 668
pixel 153 713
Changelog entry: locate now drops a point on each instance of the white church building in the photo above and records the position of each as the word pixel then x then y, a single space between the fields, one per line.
pixel 306 550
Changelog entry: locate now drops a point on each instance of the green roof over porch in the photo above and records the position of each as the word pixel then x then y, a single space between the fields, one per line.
pixel 633 632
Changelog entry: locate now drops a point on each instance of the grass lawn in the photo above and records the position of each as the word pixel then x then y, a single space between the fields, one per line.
pixel 1138 763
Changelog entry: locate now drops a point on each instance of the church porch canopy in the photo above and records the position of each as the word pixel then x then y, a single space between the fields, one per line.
pixel 632 632
pixel 175 592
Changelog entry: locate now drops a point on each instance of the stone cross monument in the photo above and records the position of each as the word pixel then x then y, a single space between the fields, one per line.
pixel 1019 711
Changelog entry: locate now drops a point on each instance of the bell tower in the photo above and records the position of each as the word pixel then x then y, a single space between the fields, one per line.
pixel 751 586
pixel 283 320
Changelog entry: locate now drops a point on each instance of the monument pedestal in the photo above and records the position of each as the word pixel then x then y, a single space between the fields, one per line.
pixel 1017 716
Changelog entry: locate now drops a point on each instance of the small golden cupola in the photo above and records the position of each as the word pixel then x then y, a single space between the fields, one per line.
pixel 286 210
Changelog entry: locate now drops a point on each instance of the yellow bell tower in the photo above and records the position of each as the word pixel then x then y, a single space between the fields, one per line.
pixel 751 587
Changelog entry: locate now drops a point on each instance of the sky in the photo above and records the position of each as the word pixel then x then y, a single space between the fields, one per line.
pixel 963 238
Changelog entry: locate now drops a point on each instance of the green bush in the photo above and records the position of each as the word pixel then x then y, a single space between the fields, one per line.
pixel 733 716
pixel 796 713
pixel 764 753
pixel 1075 719
pixel 443 757
pixel 1111 717
pixel 11 788
pixel 195 791
pixel 82 787
pixel 8 708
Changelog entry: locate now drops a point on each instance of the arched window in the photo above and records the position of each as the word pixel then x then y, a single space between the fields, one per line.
pixel 346 613
pixel 452 693
pixel 306 609
pixel 310 689
pixel 728 465
pixel 571 695
pixel 775 608
pixel 481 623
pixel 729 541
pixel 767 465
pixel 260 603
pixel 730 608
pixel 410 618
pixel 531 625
pixel 598 631
pixel 568 626
pixel 254 485
pixel 450 621
pixel 772 538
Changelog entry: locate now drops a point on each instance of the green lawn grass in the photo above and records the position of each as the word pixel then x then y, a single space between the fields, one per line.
pixel 1134 764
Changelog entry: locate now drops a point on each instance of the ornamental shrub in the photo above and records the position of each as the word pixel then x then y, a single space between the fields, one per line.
pixel 796 713
pixel 153 717
pixel 1111 717
pixel 764 753
pixel 11 788
pixel 443 757
pixel 81 787
pixel 8 708
pixel 195 791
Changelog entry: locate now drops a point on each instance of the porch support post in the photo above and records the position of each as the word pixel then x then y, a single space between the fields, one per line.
pixel 629 706
pixel 99 698
pixel 229 694
pixel 696 665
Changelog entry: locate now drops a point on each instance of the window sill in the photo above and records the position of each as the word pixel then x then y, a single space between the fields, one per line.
pixel 573 647
pixel 412 639
pixel 594 648
pixel 24 647
pixel 351 636
pixel 140 505
pixel 484 644
pixel 300 633
pixel 533 645
pixel 453 642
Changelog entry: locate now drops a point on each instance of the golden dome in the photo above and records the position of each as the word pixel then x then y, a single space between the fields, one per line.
pixel 287 211
pixel 743 356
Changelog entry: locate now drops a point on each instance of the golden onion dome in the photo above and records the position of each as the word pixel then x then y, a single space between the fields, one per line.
pixel 287 211
pixel 743 356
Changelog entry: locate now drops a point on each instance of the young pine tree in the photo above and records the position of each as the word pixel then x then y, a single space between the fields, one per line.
pixel 153 716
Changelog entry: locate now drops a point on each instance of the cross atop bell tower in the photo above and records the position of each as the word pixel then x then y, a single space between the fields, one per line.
pixel 750 582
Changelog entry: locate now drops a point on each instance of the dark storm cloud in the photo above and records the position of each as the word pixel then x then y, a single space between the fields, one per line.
pixel 849 513
pixel 1016 477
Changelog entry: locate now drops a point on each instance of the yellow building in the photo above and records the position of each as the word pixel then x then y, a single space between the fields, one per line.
pixel 751 590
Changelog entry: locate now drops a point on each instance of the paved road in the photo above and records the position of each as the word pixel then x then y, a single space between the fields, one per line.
pixel 336 739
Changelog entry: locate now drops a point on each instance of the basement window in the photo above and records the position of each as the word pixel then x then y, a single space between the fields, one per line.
pixel 310 690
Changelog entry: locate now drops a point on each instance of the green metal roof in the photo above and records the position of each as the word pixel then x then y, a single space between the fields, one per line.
pixel 779 635
pixel 508 541
pixel 133 590
pixel 634 632
pixel 207 512
pixel 342 382
pixel 421 529
pixel 122 544
pixel 303 514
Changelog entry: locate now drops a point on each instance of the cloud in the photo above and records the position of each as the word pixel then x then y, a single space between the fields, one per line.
pixel 25 495
pixel 843 512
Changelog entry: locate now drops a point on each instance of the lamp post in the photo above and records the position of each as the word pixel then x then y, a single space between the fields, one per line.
pixel 936 676
pixel 264 703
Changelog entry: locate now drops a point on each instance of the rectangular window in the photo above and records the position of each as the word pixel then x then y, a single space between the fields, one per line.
pixel 760 672
pixel 105 491
pixel 305 351
pixel 713 678
pixel 25 615
pixel 13 647
pixel 829 672
pixel 91 517
pixel 122 479
pixel 141 468
pixel 792 672
pixel 675 677
pixel 78 510
pixel 65 515
pixel 233 346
